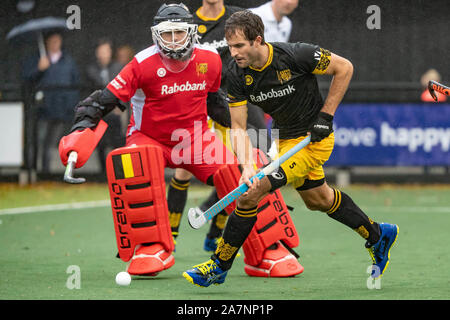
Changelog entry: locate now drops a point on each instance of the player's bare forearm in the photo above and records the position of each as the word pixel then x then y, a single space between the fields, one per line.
pixel 240 141
pixel 243 148
pixel 342 70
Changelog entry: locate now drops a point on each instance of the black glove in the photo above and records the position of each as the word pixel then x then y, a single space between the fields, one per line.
pixel 217 107
pixel 89 111
pixel 322 127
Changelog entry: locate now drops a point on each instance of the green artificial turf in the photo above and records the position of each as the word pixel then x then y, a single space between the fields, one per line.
pixel 37 250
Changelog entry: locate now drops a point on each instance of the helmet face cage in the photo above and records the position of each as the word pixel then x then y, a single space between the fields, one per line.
pixel 169 20
pixel 169 46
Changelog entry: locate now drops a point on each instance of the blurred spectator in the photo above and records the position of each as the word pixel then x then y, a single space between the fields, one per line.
pixel 55 78
pixel 124 54
pixel 430 74
pixel 99 74
pixel 277 26
pixel 104 69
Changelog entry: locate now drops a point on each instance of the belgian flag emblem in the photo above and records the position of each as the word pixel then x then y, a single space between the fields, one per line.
pixel 127 165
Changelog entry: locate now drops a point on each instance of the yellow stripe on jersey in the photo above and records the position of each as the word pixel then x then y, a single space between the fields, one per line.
pixel 127 165
pixel 269 60
pixel 237 104
pixel 204 18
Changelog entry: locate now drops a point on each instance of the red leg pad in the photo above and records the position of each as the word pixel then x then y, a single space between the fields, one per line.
pixel 273 224
pixel 226 179
pixel 138 199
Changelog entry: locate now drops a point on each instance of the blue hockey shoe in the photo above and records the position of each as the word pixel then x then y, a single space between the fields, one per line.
pixel 205 274
pixel 380 251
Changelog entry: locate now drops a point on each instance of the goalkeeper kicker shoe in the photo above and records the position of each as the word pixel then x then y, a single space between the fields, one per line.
pixel 276 261
pixel 205 274
pixel 380 251
pixel 149 260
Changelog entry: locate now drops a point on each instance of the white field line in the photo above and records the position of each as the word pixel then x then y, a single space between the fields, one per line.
pixel 57 207
pixel 106 203
pixel 75 205
pixel 414 209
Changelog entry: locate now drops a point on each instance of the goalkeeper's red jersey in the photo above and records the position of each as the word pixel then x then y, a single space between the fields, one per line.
pixel 165 103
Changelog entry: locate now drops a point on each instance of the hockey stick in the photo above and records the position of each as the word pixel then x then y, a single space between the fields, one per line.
pixel 197 220
pixel 68 174
pixel 434 85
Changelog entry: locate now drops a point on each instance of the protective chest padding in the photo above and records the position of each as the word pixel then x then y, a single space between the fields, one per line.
pixel 273 222
pixel 138 198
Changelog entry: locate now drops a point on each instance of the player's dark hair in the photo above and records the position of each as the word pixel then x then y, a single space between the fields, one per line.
pixel 247 22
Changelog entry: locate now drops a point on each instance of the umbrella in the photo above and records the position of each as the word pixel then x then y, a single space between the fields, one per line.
pixel 33 29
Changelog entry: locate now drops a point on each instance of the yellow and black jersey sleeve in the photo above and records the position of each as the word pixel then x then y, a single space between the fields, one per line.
pixel 324 57
pixel 235 102
pixel 311 58
pixel 236 95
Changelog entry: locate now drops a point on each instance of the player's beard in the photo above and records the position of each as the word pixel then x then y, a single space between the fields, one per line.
pixel 245 61
pixel 242 63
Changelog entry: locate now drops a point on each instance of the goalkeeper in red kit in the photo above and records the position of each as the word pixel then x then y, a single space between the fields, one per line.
pixel 168 85
pixel 172 86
